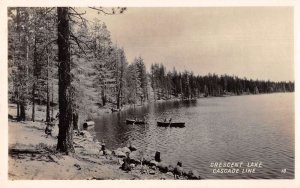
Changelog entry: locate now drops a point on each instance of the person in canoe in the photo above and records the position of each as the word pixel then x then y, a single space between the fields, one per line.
pixel 134 121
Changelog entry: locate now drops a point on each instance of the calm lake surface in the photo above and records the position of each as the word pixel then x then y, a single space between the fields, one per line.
pixel 254 128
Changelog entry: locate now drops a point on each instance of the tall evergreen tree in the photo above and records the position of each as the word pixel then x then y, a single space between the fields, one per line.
pixel 65 136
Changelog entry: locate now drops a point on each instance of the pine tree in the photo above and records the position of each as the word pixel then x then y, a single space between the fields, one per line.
pixel 65 136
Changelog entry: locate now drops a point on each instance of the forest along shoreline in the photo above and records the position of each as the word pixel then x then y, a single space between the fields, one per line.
pixel 33 155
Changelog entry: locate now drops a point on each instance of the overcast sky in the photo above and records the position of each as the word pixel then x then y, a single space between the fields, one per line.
pixel 243 41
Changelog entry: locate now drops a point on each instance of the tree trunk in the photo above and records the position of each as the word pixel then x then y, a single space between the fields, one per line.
pixel 118 79
pixel 75 120
pixel 65 135
pixel 34 78
pixel 118 99
pixel 18 104
pixel 103 97
pixel 52 106
pixel 19 37
pixel 119 94
pixel 22 87
pixel 48 96
pixel 22 112
pixel 154 91
pixel 33 103
pixel 18 110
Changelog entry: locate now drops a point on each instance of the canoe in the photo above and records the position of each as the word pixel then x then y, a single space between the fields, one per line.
pixel 167 124
pixel 88 124
pixel 115 109
pixel 178 124
pixel 131 121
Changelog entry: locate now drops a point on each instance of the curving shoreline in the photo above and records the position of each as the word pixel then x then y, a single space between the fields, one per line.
pixel 32 155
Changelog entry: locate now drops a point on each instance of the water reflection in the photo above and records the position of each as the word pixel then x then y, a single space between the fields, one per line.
pixel 113 129
pixel 245 128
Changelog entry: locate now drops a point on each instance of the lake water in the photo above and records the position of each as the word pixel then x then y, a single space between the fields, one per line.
pixel 253 128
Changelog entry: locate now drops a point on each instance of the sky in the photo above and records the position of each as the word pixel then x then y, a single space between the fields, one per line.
pixel 251 42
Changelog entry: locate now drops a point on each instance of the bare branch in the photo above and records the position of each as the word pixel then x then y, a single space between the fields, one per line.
pixel 80 40
pixel 78 43
pixel 47 11
pixel 48 45
pixel 101 10
pixel 113 10
pixel 79 15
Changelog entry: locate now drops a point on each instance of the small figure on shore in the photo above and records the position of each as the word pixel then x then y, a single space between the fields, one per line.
pixel 103 148
pixel 170 120
pixel 49 128
pixel 178 170
pixel 126 163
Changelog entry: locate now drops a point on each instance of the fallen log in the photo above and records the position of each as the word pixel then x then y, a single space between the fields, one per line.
pixel 14 151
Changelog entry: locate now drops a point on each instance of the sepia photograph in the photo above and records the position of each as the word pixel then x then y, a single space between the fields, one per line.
pixel 150 93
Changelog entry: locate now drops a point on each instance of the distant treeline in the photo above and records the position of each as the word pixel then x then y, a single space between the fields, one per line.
pixel 187 85
pixel 100 74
